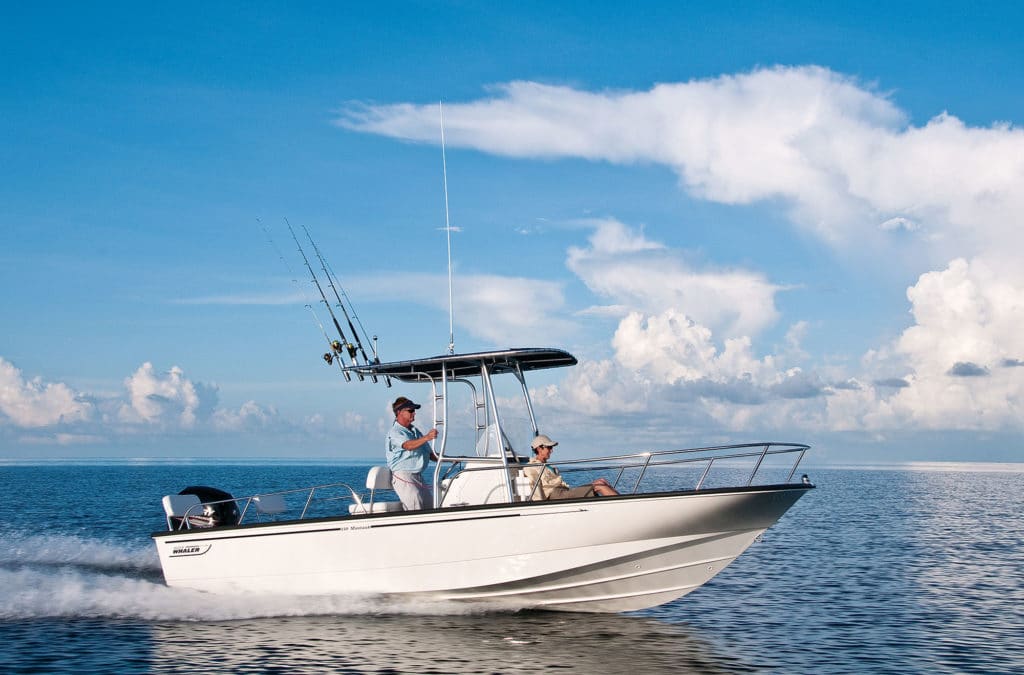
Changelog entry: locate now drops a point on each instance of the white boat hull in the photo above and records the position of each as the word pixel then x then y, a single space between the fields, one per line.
pixel 599 555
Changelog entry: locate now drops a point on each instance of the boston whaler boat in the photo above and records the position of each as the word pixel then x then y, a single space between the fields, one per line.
pixel 671 527
pixel 680 517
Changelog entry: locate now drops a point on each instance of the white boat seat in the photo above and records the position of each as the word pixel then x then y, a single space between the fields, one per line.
pixel 377 478
pixel 375 507
pixel 175 507
pixel 269 505
pixel 524 487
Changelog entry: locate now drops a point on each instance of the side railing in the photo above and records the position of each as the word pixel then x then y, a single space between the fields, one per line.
pixel 705 459
pixel 269 504
pixel 657 471
pixel 668 470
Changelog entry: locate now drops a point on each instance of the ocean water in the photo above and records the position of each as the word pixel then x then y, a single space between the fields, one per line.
pixel 884 571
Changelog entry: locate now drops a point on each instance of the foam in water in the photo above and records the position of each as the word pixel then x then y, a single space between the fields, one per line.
pixel 51 576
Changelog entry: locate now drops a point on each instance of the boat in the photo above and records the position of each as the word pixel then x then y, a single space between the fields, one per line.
pixel 679 518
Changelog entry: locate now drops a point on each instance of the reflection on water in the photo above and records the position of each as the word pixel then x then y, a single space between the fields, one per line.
pixel 505 643
pixel 967 565
pixel 528 642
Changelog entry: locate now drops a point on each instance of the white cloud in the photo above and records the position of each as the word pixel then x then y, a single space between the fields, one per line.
pixel 53 413
pixel 684 337
pixel 34 403
pixel 637 274
pixel 292 297
pixel 162 398
pixel 840 153
pixel 968 320
pixel 502 310
pixel 250 416
pixel 670 347
pixel 596 388
pixel 900 223
pixel 172 401
pixel 955 368
pixel 850 168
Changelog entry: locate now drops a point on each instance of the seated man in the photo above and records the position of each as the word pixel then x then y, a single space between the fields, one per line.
pixel 552 485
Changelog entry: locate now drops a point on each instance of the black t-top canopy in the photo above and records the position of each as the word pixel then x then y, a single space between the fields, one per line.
pixel 467 365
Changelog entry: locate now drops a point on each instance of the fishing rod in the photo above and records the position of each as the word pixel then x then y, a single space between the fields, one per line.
pixel 331 278
pixel 366 335
pixel 334 345
pixel 348 346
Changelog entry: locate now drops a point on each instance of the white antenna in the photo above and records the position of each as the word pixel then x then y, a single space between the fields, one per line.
pixel 448 232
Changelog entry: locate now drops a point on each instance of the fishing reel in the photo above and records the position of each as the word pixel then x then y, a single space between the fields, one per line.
pixel 337 347
pixel 330 356
pixel 347 346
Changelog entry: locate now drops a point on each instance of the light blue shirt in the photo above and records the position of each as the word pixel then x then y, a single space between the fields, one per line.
pixel 413 461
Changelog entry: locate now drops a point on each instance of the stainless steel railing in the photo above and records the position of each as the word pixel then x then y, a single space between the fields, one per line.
pixel 195 513
pixel 709 456
pixel 703 459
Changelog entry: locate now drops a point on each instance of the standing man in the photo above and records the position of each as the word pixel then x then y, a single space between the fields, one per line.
pixel 408 452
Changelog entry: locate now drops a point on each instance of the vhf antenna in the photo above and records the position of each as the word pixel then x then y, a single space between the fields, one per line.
pixel 448 232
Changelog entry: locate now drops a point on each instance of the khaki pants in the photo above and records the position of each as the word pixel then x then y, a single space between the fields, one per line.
pixel 571 493
pixel 411 489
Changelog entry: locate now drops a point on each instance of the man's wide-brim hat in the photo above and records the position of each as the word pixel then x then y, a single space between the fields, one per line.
pixel 540 440
pixel 402 403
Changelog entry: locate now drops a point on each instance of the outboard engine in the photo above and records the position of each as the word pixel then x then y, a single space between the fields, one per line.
pixel 220 514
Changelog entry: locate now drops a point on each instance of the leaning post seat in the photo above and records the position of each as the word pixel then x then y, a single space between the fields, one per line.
pixel 378 478
pixel 269 505
pixel 175 507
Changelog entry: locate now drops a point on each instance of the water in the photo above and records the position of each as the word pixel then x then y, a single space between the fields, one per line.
pixel 887 571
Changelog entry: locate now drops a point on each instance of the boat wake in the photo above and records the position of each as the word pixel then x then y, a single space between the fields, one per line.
pixel 66 576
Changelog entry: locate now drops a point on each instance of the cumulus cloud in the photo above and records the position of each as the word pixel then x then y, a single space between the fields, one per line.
pixel 164 398
pixel 595 388
pixel 683 349
pixel 670 347
pixel 637 274
pixel 250 416
pixel 958 371
pixel 848 166
pixel 952 368
pixel 33 403
pixel 39 413
pixel 967 326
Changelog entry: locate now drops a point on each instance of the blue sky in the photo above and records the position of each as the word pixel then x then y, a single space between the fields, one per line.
pixel 787 221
